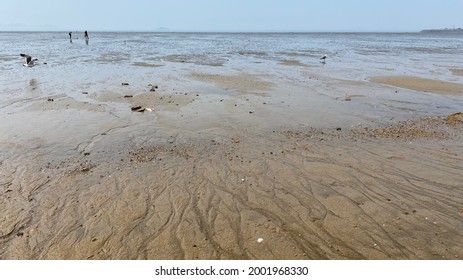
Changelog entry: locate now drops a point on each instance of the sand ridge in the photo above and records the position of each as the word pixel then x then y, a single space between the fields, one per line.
pixel 456 71
pixel 241 82
pixel 421 84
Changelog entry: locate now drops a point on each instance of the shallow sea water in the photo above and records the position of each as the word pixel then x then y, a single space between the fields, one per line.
pixel 116 56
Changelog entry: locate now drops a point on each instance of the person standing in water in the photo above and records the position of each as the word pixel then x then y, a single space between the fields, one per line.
pixel 86 37
pixel 70 37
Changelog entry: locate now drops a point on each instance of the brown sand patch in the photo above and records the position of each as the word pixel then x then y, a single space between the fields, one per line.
pixel 349 97
pixel 171 102
pixel 421 84
pixel 304 195
pixel 291 63
pixel 242 82
pixel 423 128
pixel 455 71
pixel 455 119
pixel 145 64
pixel 64 102
pixel 154 100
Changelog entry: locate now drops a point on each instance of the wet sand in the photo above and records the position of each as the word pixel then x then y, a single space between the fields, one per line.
pixel 456 71
pixel 156 185
pixel 421 84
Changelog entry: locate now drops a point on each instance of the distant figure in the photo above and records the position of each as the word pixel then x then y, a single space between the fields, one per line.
pixel 70 37
pixel 29 61
pixel 86 37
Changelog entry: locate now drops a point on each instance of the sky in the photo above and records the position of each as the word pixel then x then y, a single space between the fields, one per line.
pixel 230 15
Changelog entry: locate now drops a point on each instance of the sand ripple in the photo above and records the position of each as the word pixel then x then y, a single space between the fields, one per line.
pixel 307 195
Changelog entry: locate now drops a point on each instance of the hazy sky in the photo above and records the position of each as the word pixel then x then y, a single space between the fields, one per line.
pixel 230 15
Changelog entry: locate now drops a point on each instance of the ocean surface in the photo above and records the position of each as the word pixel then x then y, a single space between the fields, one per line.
pixel 110 57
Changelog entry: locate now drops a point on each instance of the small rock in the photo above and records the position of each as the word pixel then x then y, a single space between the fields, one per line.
pixel 125 84
pixel 50 100
pixel 260 240
pixel 84 92
pixel 338 129
pixel 138 109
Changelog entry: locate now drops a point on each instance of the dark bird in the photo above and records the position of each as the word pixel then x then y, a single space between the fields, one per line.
pixel 323 58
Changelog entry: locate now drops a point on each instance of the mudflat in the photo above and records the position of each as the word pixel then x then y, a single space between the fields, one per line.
pixel 124 189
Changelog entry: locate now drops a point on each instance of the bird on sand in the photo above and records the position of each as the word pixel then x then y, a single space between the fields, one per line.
pixel 29 61
pixel 323 58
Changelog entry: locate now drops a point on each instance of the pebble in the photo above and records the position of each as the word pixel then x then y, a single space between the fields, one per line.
pixel 138 109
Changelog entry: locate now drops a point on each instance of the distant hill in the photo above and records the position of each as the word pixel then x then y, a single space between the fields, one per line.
pixel 163 29
pixel 446 31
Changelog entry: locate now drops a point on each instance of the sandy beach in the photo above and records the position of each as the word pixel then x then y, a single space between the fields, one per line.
pixel 230 192
pixel 193 160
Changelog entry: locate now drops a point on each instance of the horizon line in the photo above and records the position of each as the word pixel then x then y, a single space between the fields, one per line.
pixel 217 31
